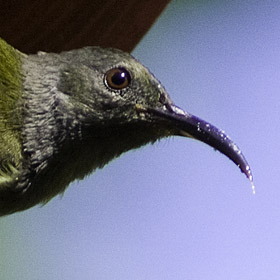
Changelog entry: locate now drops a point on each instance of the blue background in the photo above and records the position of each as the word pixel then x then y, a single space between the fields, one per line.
pixel 177 209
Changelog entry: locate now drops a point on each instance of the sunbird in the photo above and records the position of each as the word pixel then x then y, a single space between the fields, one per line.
pixel 63 115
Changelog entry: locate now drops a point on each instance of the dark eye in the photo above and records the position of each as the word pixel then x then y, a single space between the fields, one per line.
pixel 117 78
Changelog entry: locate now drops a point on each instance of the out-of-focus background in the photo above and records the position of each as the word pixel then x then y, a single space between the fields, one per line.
pixel 177 209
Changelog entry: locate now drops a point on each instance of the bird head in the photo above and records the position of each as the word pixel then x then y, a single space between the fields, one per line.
pixel 114 94
pixel 75 111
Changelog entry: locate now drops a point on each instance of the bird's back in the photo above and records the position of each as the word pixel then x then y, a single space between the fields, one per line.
pixel 10 115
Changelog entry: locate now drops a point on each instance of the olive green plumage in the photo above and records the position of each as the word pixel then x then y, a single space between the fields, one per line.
pixel 10 115
pixel 64 115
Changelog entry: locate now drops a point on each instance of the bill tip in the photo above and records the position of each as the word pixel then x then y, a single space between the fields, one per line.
pixel 249 175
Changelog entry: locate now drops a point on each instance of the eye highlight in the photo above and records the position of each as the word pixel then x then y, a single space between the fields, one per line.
pixel 117 78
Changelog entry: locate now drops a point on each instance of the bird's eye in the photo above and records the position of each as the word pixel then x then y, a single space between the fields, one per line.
pixel 117 78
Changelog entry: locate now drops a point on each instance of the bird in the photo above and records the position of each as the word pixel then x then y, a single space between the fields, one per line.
pixel 64 115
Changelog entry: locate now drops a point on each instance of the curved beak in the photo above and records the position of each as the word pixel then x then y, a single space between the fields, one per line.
pixel 188 125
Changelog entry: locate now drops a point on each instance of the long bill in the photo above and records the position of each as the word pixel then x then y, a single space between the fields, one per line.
pixel 191 126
